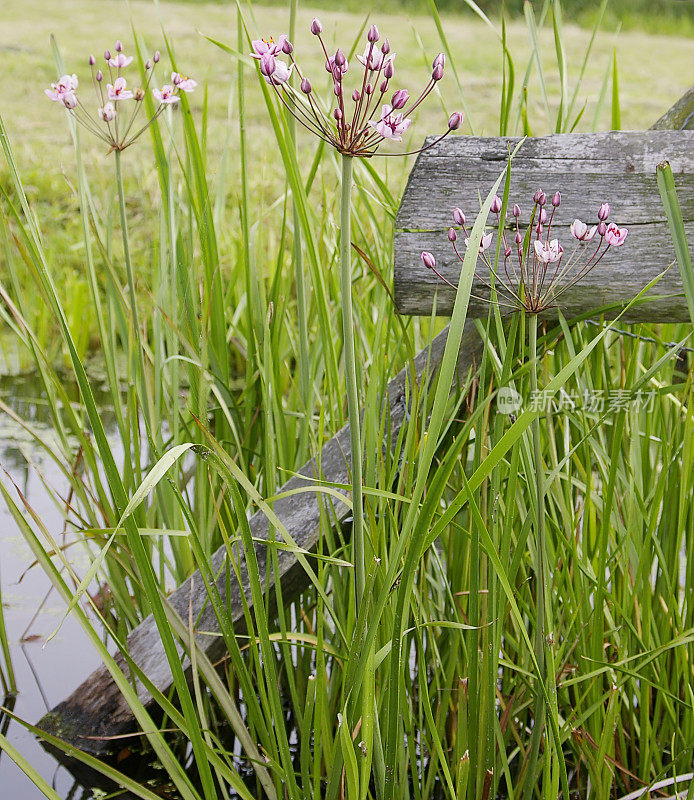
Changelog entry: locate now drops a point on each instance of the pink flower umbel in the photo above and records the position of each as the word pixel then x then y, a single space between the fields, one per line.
pixel 535 270
pixel 353 124
pixel 113 122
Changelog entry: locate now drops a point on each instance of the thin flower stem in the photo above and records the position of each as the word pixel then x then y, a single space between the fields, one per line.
pixel 351 381
pixel 540 576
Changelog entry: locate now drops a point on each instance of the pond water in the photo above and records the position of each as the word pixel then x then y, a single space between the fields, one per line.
pixel 46 672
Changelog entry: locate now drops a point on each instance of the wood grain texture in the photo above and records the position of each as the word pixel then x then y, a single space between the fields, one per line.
pixel 97 708
pixel 588 169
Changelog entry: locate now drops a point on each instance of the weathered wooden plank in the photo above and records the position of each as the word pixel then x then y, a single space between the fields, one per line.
pixel 588 169
pixel 96 707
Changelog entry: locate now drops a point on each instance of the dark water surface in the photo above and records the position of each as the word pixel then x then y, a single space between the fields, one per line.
pixel 46 672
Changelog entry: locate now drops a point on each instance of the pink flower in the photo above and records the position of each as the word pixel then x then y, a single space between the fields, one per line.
pixel 373 58
pixel 615 236
pixel 548 252
pixel 484 243
pixel 107 112
pixel 66 85
pixel 120 60
pixel 184 83
pixel 391 126
pixel 166 95
pixel 269 45
pixel 119 90
pixel 580 231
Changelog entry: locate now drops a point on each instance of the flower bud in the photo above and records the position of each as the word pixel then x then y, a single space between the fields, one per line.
pixel 556 199
pixel 267 64
pixel 458 217
pixel 119 46
pixel 543 216
pixel 455 121
pixel 306 86
pixel 337 88
pixel 383 88
pixel 604 212
pixel 602 228
pixel 148 64
pixel 452 235
pixel 519 238
pixel 516 210
pixel 139 94
pixel 537 196
pixel 340 58
pixel 400 99
pixel 107 55
pixel 373 35
pixel 428 260
pixel 69 100
pixel 92 61
pixel 437 73
pixel 99 75
pixel 337 114
pixel 539 228
pixel 439 61
pixel 495 207
pixel 369 89
pixel 388 70
pixel 507 252
pixel 385 47
pixel 287 47
pixel 316 27
pixel 356 95
pixel 157 56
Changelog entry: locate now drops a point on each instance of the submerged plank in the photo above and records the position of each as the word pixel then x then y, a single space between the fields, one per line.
pixel 588 169
pixel 97 708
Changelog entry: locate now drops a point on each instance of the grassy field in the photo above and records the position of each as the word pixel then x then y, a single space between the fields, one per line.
pixel 524 631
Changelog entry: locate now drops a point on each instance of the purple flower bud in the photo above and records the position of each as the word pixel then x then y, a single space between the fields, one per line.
pixel 267 64
pixel 439 61
pixel 455 121
pixel 556 199
pixel 428 260
pixel 604 212
pixel 306 86
pixel 119 46
pixel 458 216
pixel 340 58
pixel 452 235
pixel 92 61
pixel 369 89
pixel 385 47
pixel 316 27
pixel 148 63
pixel 383 88
pixel 107 55
pixel 287 47
pixel 543 216
pixel 495 207
pixel 99 75
pixel 519 238
pixel 337 88
pixel 400 99
pixel 157 56
pixel 356 95
pixel 507 252
pixel 437 73
pixel 602 228
pixel 540 227
pixel 373 35
pixel 516 210
pixel 337 114
pixel 388 70
pixel 537 196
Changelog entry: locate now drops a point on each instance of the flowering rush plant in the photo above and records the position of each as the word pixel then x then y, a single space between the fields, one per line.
pixel 356 123
pixel 118 106
pixel 536 267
